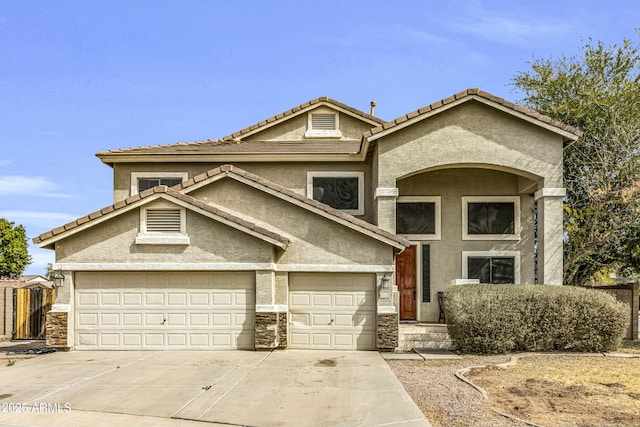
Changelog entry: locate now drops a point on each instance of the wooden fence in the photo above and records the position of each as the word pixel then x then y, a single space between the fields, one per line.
pixel 628 294
pixel 30 308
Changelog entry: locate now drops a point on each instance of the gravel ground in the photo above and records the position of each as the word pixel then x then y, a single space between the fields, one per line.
pixel 444 399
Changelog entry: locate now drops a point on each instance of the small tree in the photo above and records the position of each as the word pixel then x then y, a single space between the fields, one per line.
pixel 597 92
pixel 14 255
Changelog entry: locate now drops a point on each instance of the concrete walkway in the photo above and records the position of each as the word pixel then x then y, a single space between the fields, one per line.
pixel 283 388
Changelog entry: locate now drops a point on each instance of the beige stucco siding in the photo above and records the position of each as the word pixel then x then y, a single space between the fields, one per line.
pixel 114 242
pixel 314 239
pixel 295 128
pixel 291 175
pixel 472 133
pixel 446 254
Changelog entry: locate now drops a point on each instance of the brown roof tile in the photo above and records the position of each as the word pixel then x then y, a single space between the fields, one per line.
pixel 478 93
pixel 173 193
pixel 215 144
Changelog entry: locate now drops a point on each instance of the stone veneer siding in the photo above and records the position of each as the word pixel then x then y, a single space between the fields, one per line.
pixel 271 330
pixel 282 330
pixel 387 337
pixel 56 326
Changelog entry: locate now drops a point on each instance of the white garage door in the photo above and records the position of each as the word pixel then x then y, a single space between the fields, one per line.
pixel 332 311
pixel 158 311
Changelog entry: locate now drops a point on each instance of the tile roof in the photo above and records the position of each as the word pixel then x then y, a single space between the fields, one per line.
pixel 233 170
pixel 178 192
pixel 163 189
pixel 308 146
pixel 470 94
pixel 231 143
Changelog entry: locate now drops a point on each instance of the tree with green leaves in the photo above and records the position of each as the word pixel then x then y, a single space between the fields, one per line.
pixel 14 254
pixel 598 92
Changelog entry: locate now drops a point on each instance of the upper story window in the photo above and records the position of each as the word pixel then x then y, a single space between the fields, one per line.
pixel 162 226
pixel 323 123
pixel 491 218
pixel 141 181
pixel 418 217
pixel 340 190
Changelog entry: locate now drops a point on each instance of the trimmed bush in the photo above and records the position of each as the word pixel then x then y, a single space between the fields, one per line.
pixel 506 318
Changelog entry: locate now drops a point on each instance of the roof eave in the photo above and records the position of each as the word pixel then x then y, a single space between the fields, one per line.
pixel 437 108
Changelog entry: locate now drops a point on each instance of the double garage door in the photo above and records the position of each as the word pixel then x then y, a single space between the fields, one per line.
pixel 216 311
pixel 164 311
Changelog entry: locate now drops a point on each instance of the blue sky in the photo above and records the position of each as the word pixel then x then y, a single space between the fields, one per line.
pixel 77 77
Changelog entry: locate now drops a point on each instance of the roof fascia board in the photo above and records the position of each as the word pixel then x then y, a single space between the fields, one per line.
pixel 417 119
pixel 568 135
pixel 230 266
pixel 303 111
pixel 239 227
pixel 110 159
pixel 498 106
pixel 315 210
pixel 168 197
pixel 93 222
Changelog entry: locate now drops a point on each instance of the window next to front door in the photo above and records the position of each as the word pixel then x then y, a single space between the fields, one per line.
pixel 492 267
pixel 418 217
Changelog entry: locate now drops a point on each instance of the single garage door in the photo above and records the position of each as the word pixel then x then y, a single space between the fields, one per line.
pixel 332 311
pixel 164 311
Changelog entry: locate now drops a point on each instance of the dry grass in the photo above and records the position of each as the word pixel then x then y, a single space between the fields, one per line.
pixel 566 390
pixel 549 390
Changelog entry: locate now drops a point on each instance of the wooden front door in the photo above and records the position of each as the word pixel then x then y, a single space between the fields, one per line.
pixel 406 282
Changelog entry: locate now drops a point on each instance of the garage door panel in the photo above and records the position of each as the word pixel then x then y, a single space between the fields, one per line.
pixel 132 298
pixel 321 300
pixel 199 298
pixel 154 298
pixel 150 311
pixel 88 339
pixel 177 299
pixel 109 340
pixel 109 319
pixel 132 319
pixel 88 320
pixel 332 311
pixel 320 319
pixel 301 300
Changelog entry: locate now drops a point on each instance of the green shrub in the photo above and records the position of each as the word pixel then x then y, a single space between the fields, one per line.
pixel 505 318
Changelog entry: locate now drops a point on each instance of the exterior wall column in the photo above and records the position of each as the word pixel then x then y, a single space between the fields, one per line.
pixel 271 318
pixel 550 235
pixel 59 321
pixel 387 318
pixel 385 199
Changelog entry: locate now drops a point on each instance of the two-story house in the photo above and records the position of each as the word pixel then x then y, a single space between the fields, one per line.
pixel 322 227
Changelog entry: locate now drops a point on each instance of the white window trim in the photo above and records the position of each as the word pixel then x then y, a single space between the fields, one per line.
pixel 489 199
pixel 340 174
pixel 154 238
pixel 514 254
pixel 322 133
pixel 137 175
pixel 431 199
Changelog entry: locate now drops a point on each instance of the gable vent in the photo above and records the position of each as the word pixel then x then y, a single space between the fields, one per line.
pixel 323 121
pixel 163 220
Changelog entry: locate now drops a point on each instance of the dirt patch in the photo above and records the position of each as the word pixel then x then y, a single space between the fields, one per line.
pixel 566 390
pixel 13 351
pixel 444 399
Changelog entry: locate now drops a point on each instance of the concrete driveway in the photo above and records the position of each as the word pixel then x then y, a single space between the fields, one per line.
pixel 282 388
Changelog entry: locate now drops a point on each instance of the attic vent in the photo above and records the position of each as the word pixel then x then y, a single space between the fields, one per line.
pixel 163 220
pixel 323 121
pixel 323 124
